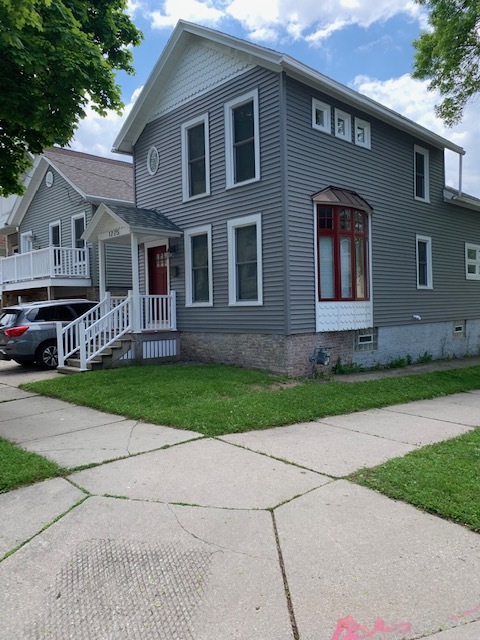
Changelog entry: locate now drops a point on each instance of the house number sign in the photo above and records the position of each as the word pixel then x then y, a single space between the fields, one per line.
pixel 113 233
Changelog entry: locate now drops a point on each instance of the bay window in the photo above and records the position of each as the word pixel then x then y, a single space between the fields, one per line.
pixel 342 243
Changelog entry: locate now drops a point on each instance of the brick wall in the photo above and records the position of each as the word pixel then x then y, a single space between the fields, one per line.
pixel 278 354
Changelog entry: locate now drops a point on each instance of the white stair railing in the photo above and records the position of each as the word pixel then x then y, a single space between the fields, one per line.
pixel 90 334
pixel 94 331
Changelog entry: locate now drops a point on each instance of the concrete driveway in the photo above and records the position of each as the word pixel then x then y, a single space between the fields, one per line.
pixel 253 536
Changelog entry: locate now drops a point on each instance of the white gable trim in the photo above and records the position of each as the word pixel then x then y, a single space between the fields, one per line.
pixel 40 168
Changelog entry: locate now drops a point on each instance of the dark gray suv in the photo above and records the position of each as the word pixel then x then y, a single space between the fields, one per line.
pixel 28 331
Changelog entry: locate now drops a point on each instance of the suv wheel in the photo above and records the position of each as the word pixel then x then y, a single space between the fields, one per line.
pixel 46 355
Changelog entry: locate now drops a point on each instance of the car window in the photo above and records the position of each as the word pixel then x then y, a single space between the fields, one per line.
pixel 64 313
pixel 61 312
pixel 79 308
pixel 8 318
pixel 42 314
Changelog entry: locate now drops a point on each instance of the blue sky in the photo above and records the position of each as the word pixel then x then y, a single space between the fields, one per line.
pixel 365 44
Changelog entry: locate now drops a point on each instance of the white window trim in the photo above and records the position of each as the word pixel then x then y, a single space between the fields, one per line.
pixel 322 106
pixel 77 217
pixel 363 124
pixel 339 114
pixel 150 152
pixel 425 153
pixel 476 275
pixel 26 235
pixel 428 241
pixel 185 182
pixel 58 224
pixel 228 110
pixel 232 225
pixel 189 234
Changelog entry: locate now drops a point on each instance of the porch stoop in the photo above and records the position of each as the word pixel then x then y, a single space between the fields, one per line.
pixel 149 347
pixel 104 360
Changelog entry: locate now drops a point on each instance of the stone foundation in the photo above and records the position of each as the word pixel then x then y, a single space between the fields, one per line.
pixel 291 355
pixel 274 353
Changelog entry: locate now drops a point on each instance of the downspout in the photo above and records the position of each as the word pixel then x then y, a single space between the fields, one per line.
pixel 460 174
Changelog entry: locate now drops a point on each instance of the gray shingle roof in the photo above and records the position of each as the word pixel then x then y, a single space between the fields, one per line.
pixel 144 218
pixel 95 176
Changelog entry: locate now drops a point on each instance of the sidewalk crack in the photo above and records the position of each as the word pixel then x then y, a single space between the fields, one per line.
pixel 212 544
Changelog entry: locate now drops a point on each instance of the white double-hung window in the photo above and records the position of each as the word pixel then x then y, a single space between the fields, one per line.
pixel 424 262
pixel 195 158
pixel 198 267
pixel 242 140
pixel 422 177
pixel 472 261
pixel 245 260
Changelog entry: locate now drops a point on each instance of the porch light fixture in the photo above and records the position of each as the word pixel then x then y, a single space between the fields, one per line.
pixel 172 250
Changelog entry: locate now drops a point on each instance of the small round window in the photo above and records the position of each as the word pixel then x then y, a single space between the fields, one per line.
pixel 49 179
pixel 153 161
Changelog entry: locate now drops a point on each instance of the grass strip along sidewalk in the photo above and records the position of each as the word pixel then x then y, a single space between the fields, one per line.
pixel 216 400
pixel 19 467
pixel 441 478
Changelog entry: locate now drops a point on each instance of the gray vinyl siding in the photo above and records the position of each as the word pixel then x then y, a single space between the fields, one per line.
pixel 384 176
pixel 58 202
pixel 118 267
pixel 164 192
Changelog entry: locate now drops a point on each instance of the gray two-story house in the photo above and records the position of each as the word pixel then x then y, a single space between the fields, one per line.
pixel 311 216
pixel 47 256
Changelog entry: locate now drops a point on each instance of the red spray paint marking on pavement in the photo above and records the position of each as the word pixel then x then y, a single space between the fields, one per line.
pixel 348 629
pixel 464 614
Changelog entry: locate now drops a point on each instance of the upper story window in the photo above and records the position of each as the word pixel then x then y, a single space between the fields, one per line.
pixel 343 125
pixel 321 116
pixel 245 260
pixel 26 242
pixel 421 169
pixel 195 158
pixel 424 262
pixel 362 133
pixel 198 267
pixel 153 161
pixel 342 244
pixel 472 261
pixel 78 227
pixel 54 233
pixel 242 140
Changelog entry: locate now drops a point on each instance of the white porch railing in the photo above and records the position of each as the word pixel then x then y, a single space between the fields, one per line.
pixel 52 262
pixel 87 336
pixel 158 313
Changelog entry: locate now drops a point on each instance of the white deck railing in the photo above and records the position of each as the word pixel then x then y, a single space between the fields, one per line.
pixel 52 262
pixel 158 313
pixel 90 334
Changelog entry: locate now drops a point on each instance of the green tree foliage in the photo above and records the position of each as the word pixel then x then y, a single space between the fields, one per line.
pixel 449 54
pixel 56 57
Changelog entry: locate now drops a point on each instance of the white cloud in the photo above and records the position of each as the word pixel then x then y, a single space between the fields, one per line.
pixel 96 135
pixel 270 20
pixel 412 99
pixel 313 20
pixel 191 10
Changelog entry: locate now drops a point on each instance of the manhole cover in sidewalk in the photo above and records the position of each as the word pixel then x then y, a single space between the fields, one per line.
pixel 114 590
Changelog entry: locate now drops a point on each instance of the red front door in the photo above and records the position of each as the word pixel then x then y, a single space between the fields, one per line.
pixel 157 271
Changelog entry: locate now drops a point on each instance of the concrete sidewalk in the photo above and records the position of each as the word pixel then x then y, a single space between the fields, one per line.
pixel 252 536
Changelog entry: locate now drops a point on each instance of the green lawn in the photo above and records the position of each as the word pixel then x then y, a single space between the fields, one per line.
pixel 215 399
pixel 19 467
pixel 443 478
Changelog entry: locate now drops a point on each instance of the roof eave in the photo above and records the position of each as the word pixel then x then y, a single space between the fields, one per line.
pixel 309 76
